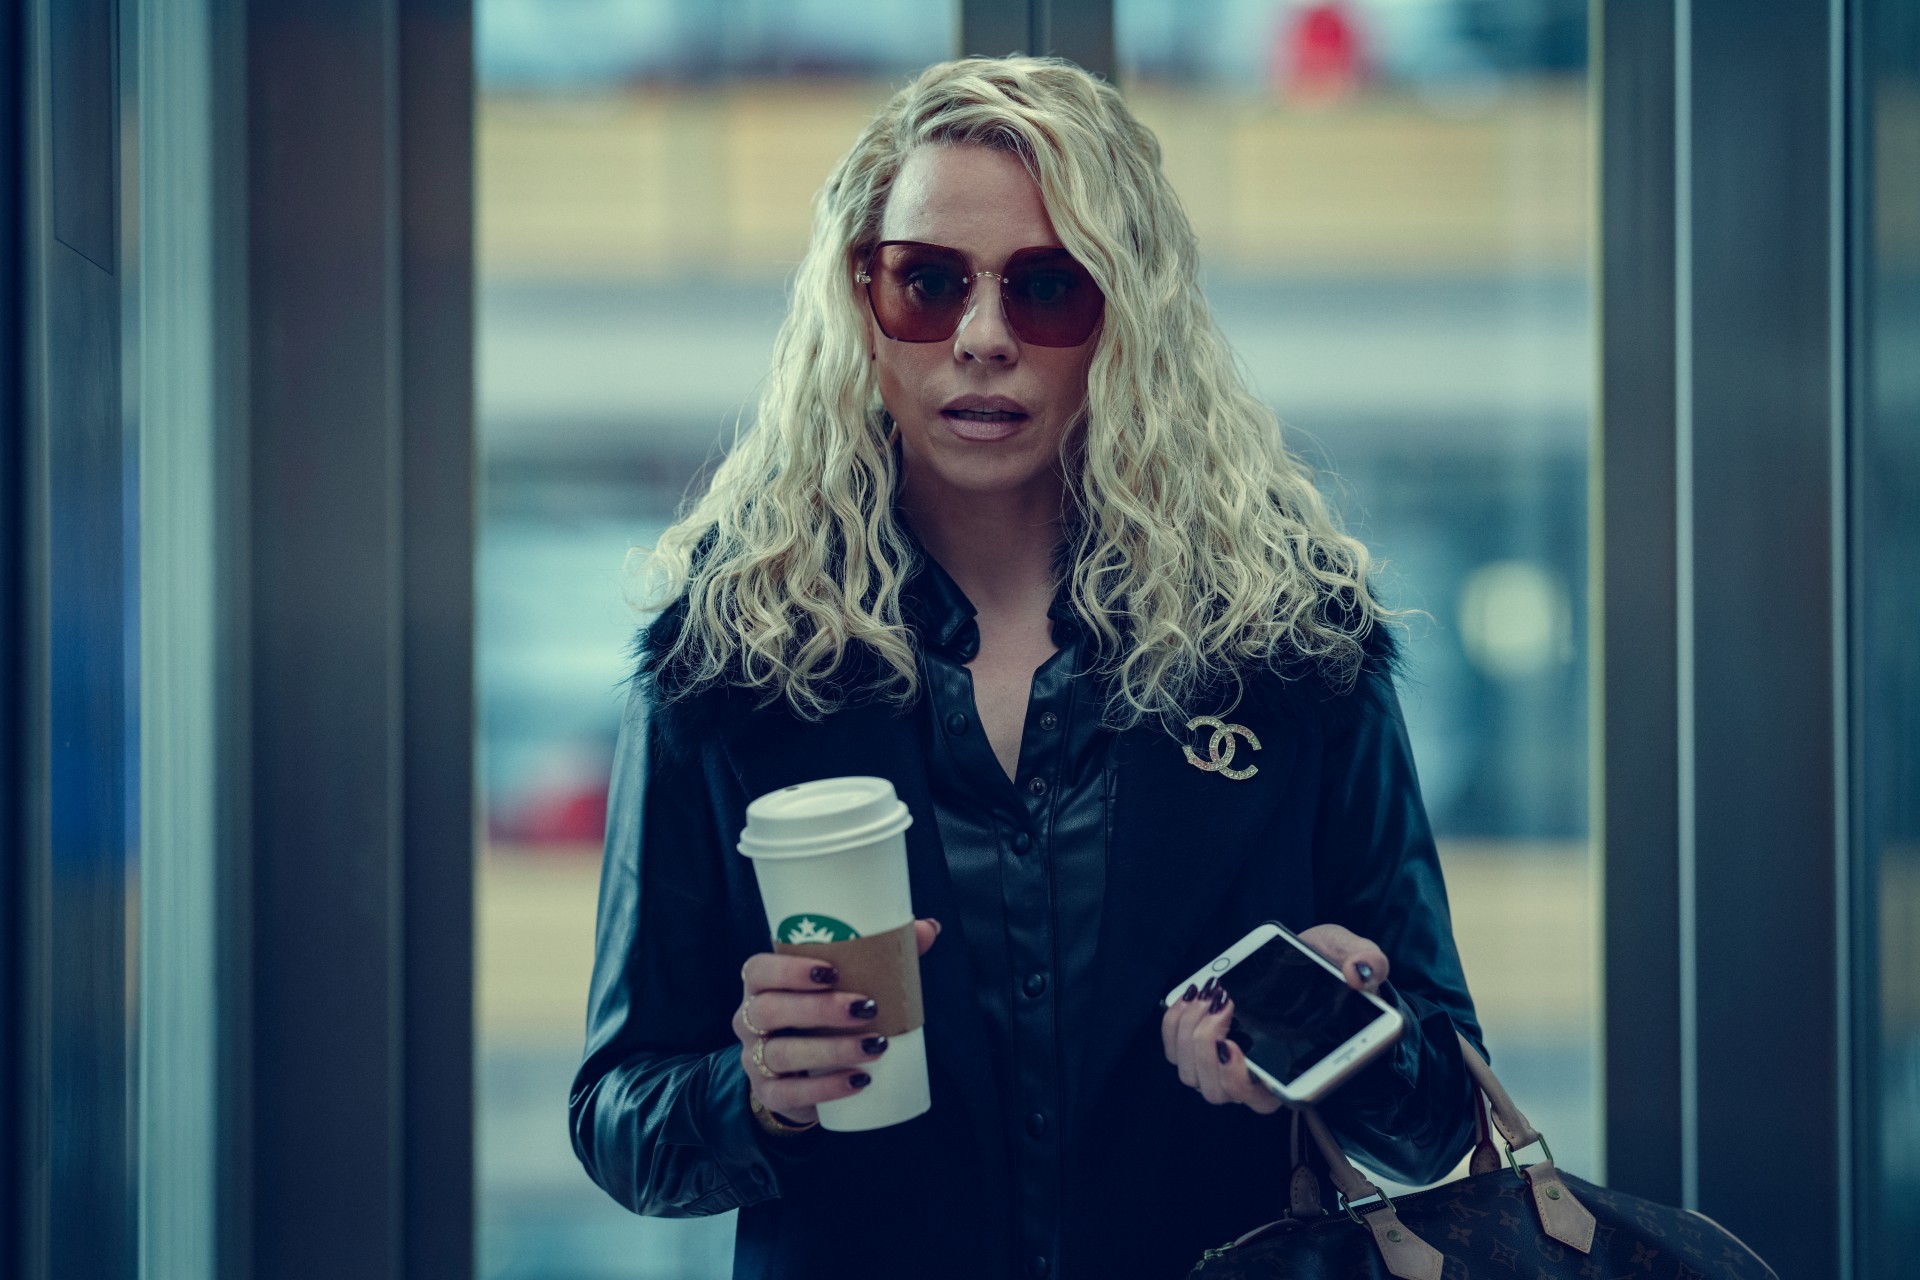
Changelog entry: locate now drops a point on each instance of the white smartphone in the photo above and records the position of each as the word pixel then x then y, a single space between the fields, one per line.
pixel 1302 1028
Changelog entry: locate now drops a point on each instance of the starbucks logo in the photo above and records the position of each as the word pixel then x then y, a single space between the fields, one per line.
pixel 814 928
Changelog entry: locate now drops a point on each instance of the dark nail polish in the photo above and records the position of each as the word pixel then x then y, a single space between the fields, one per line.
pixel 1364 969
pixel 1220 1052
pixel 1208 988
pixel 874 1044
pixel 1219 1000
pixel 1192 991
pixel 859 1079
pixel 825 974
pixel 864 1009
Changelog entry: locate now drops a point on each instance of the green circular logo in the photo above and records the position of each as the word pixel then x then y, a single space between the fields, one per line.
pixel 814 928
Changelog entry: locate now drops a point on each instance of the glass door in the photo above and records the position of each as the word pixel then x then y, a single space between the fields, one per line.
pixel 645 178
pixel 1393 202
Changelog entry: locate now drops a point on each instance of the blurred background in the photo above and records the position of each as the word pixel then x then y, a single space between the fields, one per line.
pixel 1393 199
pixel 348 351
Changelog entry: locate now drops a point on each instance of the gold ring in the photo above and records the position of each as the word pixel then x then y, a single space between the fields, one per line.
pixel 747 1017
pixel 760 1059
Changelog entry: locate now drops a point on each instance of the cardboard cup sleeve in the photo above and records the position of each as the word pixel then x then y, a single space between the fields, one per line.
pixel 882 966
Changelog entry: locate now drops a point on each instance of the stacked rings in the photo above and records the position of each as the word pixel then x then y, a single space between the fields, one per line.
pixel 746 1016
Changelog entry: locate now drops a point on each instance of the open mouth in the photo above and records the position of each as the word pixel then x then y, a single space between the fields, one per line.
pixel 984 426
pixel 984 415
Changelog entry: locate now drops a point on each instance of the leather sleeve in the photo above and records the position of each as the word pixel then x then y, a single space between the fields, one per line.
pixel 658 1109
pixel 1408 1114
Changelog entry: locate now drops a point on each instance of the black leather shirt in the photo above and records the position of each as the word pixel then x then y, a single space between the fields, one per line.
pixel 1060 1143
pixel 1028 861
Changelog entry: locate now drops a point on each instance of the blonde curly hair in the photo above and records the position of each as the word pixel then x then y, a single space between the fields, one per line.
pixel 1197 543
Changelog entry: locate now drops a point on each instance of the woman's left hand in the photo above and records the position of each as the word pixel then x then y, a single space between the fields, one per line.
pixel 1194 1031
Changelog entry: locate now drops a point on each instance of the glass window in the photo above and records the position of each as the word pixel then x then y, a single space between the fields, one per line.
pixel 645 179
pixel 1392 200
pixel 1885 550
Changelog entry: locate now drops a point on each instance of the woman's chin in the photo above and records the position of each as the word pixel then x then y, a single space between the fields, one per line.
pixel 977 482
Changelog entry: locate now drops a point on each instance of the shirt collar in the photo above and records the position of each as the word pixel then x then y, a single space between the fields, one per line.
pixel 938 610
pixel 940 613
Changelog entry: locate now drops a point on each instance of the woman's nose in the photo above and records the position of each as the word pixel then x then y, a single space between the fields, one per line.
pixel 983 333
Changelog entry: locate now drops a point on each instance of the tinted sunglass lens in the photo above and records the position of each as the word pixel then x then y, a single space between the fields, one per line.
pixel 918 292
pixel 1051 300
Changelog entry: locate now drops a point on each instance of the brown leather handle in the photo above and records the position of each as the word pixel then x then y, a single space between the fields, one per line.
pixel 1303 1186
pixel 1405 1254
pixel 1512 1124
pixel 1561 1215
pixel 1350 1182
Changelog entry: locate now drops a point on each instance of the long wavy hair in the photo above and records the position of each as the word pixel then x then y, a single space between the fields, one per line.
pixel 1196 542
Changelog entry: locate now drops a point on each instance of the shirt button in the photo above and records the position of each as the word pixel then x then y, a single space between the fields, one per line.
pixel 1035 986
pixel 1037 1266
pixel 1037 785
pixel 1037 1125
pixel 1049 721
pixel 956 724
pixel 1022 842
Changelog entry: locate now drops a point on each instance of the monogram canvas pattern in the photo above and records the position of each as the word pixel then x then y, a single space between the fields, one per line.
pixel 1486 1228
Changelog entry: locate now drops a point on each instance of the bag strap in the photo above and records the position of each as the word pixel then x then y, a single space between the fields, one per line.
pixel 1486 1157
pixel 1513 1125
pixel 1561 1215
pixel 1405 1254
pixel 1303 1185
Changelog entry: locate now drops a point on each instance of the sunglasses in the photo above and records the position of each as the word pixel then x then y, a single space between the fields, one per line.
pixel 919 293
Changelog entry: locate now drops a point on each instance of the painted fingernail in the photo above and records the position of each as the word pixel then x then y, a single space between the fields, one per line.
pixel 1364 969
pixel 1208 988
pixel 824 974
pixel 1220 1051
pixel 1219 1000
pixel 864 1009
pixel 874 1044
pixel 1192 991
pixel 859 1079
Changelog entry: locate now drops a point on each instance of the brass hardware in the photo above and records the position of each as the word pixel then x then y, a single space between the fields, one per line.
pixel 1539 1138
pixel 1346 1204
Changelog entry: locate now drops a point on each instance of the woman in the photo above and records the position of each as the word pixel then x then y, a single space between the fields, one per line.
pixel 1009 521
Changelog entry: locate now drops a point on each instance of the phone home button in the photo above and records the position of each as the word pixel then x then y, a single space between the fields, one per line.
pixel 1221 965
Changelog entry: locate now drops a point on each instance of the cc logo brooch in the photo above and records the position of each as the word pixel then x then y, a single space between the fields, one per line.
pixel 1220 747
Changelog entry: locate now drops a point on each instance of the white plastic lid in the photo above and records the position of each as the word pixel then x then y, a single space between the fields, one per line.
pixel 812 818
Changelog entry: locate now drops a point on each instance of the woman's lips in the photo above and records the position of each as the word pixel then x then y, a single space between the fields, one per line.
pixel 983 425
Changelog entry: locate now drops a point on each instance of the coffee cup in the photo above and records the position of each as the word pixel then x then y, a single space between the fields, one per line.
pixel 831 860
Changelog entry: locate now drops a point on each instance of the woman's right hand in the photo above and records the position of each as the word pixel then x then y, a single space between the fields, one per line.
pixel 793 1074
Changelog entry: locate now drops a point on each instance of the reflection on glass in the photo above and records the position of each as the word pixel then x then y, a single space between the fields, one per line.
pixel 646 173
pixel 1392 202
pixel 1392 199
pixel 1886 581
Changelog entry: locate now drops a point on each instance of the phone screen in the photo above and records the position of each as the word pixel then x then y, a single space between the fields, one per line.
pixel 1289 1012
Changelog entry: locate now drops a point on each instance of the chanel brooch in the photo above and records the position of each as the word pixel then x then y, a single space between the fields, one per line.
pixel 1220 747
